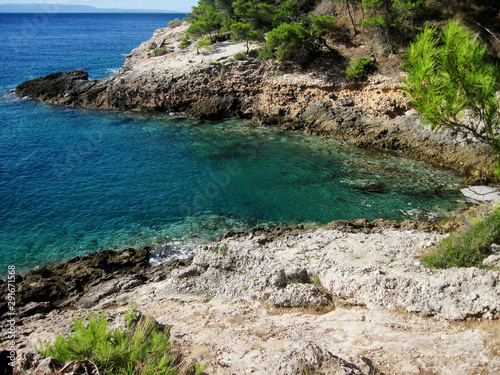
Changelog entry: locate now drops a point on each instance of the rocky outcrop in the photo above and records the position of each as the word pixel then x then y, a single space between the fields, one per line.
pixel 96 275
pixel 380 268
pixel 214 85
pixel 348 298
pixel 404 134
pixel 58 87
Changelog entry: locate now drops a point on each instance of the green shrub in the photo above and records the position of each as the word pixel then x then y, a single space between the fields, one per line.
pixel 220 249
pixel 285 40
pixel 253 53
pixel 240 56
pixel 315 280
pixel 379 22
pixel 388 50
pixel 160 51
pixel 203 44
pixel 140 349
pixel 360 68
pixel 466 249
pixel 174 23
pixel 185 42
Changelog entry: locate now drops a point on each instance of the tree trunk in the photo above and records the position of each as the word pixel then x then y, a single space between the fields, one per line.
pixel 350 16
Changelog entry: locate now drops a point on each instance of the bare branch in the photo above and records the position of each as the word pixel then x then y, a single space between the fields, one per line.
pixel 490 32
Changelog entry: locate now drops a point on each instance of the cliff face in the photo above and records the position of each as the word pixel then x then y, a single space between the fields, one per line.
pixel 212 84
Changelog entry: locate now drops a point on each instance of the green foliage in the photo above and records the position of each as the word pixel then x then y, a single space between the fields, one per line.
pixel 360 68
pixel 240 56
pixel 203 44
pixel 140 349
pixel 206 20
pixel 466 249
pixel 160 51
pixel 286 39
pixel 251 20
pixel 198 368
pixel 377 21
pixel 395 18
pixel 253 53
pixel 315 280
pixel 293 280
pixel 219 249
pixel 174 23
pixel 372 4
pixel 321 24
pixel 240 30
pixel 243 31
pixel 185 42
pixel 452 83
pixel 388 50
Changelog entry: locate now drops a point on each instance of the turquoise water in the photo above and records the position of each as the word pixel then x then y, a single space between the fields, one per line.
pixel 75 181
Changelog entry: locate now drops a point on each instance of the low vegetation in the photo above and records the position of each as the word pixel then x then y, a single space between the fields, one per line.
pixel 466 249
pixel 174 23
pixel 240 56
pixel 219 249
pixel 203 44
pixel 160 51
pixel 142 348
pixel 359 69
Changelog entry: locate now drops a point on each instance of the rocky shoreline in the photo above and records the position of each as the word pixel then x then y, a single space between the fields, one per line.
pixel 351 296
pixel 215 85
pixel 347 298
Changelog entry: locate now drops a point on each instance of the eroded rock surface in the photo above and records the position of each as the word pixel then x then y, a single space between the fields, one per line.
pixel 329 299
pixel 81 281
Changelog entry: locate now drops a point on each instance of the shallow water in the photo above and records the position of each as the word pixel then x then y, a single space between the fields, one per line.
pixel 76 181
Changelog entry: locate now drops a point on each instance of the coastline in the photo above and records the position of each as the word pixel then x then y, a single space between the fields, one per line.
pixel 347 294
pixel 373 308
pixel 214 85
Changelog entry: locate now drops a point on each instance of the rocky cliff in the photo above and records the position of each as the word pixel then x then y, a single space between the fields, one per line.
pixel 212 84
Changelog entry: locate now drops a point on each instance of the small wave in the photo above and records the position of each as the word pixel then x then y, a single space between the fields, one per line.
pixel 112 71
pixel 174 249
pixel 418 214
pixel 9 95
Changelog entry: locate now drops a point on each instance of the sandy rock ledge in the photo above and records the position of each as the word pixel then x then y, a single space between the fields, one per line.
pixel 322 300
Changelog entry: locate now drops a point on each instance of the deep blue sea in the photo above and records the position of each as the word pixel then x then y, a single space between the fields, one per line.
pixel 75 181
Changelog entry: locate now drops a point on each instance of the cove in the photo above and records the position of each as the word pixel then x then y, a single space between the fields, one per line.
pixel 76 181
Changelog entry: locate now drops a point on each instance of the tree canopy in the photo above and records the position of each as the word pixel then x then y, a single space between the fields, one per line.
pixel 284 26
pixel 452 83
